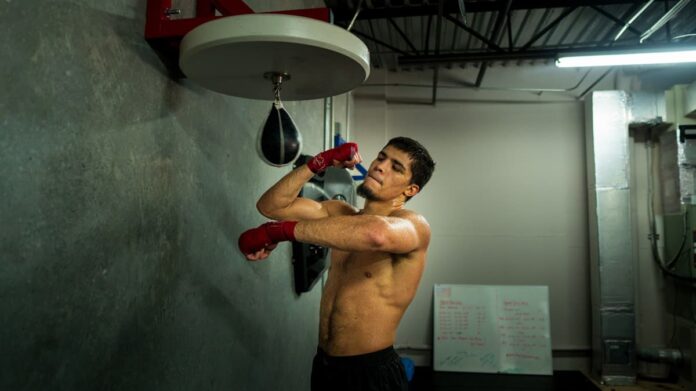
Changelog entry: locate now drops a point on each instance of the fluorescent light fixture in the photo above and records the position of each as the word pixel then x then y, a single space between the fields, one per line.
pixel 627 58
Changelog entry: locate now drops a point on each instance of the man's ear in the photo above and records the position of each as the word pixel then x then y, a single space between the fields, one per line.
pixel 411 190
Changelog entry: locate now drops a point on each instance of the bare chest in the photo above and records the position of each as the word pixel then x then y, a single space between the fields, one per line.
pixel 364 266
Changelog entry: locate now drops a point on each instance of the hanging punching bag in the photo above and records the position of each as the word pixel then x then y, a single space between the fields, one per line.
pixel 279 141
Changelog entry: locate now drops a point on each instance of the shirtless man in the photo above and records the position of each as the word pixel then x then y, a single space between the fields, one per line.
pixel 378 256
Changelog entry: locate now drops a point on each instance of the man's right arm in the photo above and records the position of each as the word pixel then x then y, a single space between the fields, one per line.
pixel 281 201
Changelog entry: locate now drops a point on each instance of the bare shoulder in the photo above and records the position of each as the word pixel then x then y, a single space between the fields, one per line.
pixel 419 222
pixel 414 217
pixel 339 208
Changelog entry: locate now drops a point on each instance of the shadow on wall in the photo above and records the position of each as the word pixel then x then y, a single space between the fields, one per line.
pixel 102 195
pixel 100 66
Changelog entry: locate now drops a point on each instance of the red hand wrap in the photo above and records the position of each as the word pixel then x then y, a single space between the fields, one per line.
pixel 258 238
pixel 342 153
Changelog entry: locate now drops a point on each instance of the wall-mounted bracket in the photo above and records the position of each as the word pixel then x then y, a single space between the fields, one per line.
pixel 164 33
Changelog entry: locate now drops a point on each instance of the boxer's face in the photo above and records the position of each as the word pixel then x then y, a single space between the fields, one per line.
pixel 389 176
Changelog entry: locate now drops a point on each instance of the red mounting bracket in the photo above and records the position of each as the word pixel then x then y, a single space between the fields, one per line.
pixel 164 34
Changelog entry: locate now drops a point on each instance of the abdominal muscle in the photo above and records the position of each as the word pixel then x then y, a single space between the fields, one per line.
pixel 362 304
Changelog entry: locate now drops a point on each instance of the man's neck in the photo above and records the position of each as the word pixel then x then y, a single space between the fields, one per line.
pixel 381 208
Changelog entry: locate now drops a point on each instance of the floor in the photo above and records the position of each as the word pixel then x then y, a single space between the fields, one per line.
pixel 426 380
pixel 647 386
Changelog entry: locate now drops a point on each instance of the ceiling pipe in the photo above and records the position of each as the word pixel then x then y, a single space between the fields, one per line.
pixel 633 19
pixel 663 20
pixel 344 10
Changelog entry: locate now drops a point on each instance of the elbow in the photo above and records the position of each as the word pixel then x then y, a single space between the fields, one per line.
pixel 377 239
pixel 264 210
pixel 383 236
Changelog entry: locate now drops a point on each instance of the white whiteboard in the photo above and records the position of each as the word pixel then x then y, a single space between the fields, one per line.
pixel 492 329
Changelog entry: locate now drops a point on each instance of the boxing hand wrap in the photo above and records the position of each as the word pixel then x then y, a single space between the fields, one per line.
pixel 342 153
pixel 265 235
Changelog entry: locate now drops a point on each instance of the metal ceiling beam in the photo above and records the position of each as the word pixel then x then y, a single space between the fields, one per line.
pixel 474 33
pixel 521 28
pixel 571 26
pixel 475 23
pixel 493 16
pixel 455 33
pixel 438 32
pixel 548 27
pixel 499 23
pixel 427 35
pixel 343 12
pixel 403 35
pixel 379 42
pixel 478 57
pixel 618 21
pixel 609 38
pixel 509 30
pixel 589 28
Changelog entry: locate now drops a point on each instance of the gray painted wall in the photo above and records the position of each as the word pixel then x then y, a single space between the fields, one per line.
pixel 122 196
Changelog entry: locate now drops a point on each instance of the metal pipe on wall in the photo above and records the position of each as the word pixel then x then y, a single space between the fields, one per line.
pixel 613 241
pixel 611 238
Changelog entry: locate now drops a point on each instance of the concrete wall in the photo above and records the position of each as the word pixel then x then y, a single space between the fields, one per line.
pixel 122 196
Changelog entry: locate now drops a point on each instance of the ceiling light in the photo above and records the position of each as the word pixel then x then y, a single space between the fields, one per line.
pixel 671 56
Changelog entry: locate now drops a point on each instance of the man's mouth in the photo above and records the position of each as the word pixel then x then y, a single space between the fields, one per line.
pixel 374 179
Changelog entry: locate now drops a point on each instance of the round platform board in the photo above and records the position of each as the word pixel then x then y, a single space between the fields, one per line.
pixel 231 55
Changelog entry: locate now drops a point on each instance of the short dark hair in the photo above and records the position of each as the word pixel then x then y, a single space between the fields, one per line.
pixel 422 165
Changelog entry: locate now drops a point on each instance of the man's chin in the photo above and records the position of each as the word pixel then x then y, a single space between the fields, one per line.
pixel 366 193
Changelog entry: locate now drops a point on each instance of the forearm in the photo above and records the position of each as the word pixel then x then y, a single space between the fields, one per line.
pixel 347 233
pixel 281 201
pixel 284 192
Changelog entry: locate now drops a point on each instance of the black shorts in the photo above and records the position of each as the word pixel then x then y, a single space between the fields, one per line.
pixel 378 371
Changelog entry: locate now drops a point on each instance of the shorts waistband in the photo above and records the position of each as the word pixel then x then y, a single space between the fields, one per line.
pixel 373 358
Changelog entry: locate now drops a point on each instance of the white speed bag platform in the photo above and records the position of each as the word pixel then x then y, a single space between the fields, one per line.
pixel 231 55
